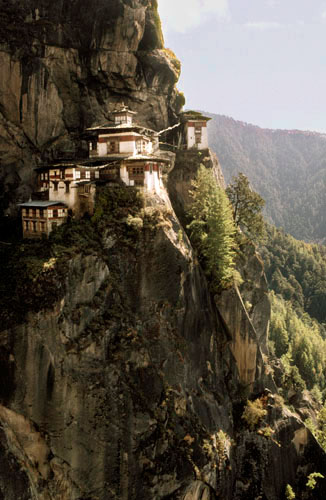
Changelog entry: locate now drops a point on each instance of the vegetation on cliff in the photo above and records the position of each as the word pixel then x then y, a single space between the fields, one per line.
pixel 247 207
pixel 33 271
pixel 212 230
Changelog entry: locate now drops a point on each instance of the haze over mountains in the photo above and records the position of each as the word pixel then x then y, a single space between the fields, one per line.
pixel 287 167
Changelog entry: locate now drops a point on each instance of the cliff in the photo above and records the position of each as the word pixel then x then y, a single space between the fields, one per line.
pixel 64 66
pixel 132 382
pixel 122 375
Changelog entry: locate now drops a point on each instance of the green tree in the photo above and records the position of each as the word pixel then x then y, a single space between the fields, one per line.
pixel 247 207
pixel 279 335
pixel 212 230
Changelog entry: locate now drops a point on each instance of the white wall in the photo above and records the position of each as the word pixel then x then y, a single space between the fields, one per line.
pixel 152 182
pixel 149 148
pixel 60 195
pixel 191 139
pixel 124 175
pixel 128 147
pixel 102 148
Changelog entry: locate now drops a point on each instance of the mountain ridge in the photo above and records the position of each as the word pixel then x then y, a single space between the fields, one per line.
pixel 286 167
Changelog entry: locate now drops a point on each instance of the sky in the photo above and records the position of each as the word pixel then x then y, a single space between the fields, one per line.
pixel 258 61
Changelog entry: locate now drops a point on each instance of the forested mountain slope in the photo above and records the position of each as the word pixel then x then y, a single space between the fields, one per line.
pixel 296 273
pixel 287 168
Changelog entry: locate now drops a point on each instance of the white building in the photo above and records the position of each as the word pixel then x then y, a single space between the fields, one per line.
pixel 143 171
pixel 195 130
pixel 119 152
pixel 123 137
pixel 71 184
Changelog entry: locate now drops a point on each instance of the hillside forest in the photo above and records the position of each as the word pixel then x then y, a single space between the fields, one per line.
pixel 286 167
pixel 296 274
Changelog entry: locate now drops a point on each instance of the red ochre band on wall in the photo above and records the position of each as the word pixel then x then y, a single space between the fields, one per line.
pixel 125 138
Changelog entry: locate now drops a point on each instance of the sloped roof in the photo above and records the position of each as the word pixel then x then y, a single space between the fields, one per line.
pixel 41 204
pixel 114 128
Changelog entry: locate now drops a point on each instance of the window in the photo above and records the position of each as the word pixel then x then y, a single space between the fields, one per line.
pixel 34 212
pixel 55 212
pixel 26 225
pixel 121 119
pixel 77 174
pixel 113 147
pixel 88 174
pixel 41 213
pixel 34 226
pixel 97 174
pixel 198 131
pixel 50 213
pixel 137 170
pixel 61 212
pixel 25 212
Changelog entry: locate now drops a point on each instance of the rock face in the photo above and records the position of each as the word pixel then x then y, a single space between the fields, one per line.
pixel 64 66
pixel 133 382
pixel 184 171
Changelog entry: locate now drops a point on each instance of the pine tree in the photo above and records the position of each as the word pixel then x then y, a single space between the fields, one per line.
pixel 212 229
pixel 247 207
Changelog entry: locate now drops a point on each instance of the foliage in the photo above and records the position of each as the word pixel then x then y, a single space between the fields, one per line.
pixel 175 63
pixel 33 271
pixel 317 394
pixel 287 168
pixel 114 204
pixel 311 483
pixel 297 271
pixel 211 229
pixel 319 430
pixel 267 431
pixel 30 279
pixel 299 341
pixel 247 207
pixel 253 413
pixel 289 493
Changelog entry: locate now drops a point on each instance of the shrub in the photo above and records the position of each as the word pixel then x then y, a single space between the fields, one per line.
pixel 311 483
pixel 254 413
pixel 289 493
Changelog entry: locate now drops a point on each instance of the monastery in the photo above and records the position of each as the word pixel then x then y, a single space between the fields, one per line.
pixel 119 152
